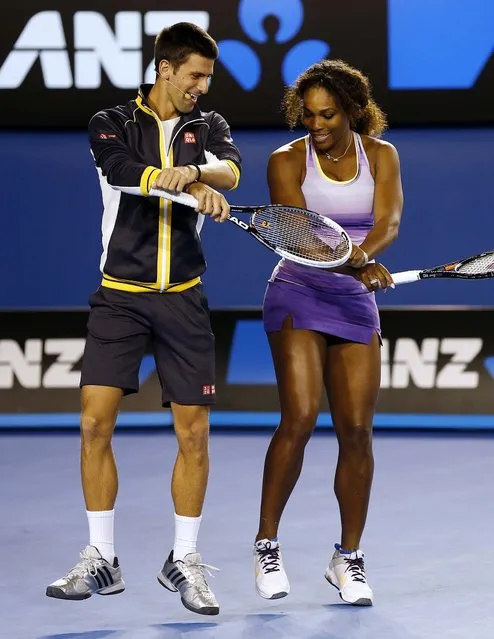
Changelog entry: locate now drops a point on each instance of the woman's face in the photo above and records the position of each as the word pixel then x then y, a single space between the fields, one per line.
pixel 324 118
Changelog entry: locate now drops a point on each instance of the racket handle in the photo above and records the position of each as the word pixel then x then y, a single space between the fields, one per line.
pixel 405 277
pixel 181 198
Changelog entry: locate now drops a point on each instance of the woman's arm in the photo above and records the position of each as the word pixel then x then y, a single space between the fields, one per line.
pixel 388 202
pixel 285 178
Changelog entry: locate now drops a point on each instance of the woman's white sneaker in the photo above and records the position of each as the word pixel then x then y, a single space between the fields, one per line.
pixel 346 572
pixel 271 579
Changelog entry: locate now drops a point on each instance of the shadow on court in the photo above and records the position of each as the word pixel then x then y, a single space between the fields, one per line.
pixel 350 621
pixel 333 621
pixel 265 625
pixel 429 495
pixel 90 634
pixel 182 629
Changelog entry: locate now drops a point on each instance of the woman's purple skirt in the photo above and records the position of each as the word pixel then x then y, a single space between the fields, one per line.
pixel 353 316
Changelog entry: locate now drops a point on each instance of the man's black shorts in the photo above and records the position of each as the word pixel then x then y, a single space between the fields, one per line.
pixel 177 325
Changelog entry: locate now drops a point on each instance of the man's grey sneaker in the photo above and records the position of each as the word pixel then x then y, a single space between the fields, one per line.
pixel 92 575
pixel 187 577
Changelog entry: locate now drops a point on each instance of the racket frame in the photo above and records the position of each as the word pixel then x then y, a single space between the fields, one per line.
pixel 250 228
pixel 448 270
pixel 188 200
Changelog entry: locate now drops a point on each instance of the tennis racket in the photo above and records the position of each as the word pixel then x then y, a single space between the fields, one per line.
pixel 296 234
pixel 472 268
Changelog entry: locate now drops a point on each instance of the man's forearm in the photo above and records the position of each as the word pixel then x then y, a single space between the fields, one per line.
pixel 219 175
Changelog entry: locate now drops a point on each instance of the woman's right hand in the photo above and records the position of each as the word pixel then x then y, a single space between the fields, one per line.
pixel 374 276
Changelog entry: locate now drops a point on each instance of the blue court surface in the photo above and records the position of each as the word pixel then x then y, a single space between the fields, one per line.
pixel 428 543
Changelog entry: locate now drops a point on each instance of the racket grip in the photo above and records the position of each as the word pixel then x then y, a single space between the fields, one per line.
pixel 405 277
pixel 181 198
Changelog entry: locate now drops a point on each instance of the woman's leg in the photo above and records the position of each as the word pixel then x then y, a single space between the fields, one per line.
pixel 352 379
pixel 299 358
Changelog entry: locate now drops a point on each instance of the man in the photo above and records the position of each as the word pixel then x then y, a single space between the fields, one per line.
pixel 151 264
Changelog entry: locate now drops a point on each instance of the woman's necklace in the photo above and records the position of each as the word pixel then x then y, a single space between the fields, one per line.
pixel 337 159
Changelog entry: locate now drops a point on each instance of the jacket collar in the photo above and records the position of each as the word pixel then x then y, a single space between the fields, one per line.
pixel 142 103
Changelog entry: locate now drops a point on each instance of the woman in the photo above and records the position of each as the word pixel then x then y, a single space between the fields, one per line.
pixel 323 326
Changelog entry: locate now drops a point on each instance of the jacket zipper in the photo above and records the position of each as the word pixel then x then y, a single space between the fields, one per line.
pixel 167 205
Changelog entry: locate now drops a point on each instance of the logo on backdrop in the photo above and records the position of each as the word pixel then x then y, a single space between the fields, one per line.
pixel 441 363
pixel 286 18
pixel 433 362
pixel 96 48
pixel 85 59
pixel 118 52
pixel 430 363
pixel 415 59
pixel 50 363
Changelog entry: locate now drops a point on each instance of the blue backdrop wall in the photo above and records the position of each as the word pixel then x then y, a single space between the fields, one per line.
pixel 51 211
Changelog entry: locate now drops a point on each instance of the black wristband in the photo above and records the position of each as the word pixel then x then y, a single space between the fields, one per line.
pixel 199 173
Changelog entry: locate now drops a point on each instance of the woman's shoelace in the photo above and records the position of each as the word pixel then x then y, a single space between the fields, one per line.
pixel 356 568
pixel 269 557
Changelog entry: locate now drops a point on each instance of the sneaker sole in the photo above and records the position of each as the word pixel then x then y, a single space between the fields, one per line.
pixel 58 593
pixel 114 592
pixel 213 610
pixel 364 601
pixel 277 595
pixel 166 583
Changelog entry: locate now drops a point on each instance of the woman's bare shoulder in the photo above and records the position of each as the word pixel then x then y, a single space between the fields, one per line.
pixel 291 153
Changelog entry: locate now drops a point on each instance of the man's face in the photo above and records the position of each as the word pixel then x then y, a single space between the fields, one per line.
pixel 189 81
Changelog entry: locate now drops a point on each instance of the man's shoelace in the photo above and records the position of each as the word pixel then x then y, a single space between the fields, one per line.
pixel 269 557
pixel 356 568
pixel 86 565
pixel 194 572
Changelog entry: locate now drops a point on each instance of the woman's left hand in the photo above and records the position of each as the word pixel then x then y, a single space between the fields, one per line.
pixel 358 258
pixel 374 276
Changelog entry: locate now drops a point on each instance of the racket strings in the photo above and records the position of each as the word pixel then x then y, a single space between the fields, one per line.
pixel 300 234
pixel 478 266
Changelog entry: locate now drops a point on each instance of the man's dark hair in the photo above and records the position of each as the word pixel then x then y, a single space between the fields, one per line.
pixel 178 42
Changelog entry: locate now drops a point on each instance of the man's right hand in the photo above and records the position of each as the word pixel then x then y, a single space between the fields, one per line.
pixel 175 178
pixel 210 201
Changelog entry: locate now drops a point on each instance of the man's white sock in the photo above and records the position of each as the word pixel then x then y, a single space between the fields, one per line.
pixel 101 532
pixel 186 531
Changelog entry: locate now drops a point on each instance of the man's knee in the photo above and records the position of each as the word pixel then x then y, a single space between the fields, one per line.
pixel 96 430
pixel 192 430
pixel 99 413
